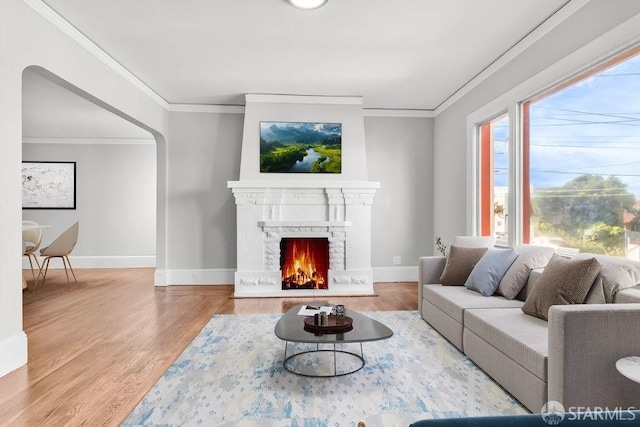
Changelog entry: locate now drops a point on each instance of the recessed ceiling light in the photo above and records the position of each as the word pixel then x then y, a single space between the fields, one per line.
pixel 307 4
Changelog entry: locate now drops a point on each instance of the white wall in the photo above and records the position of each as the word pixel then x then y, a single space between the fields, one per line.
pixel 26 39
pixel 344 110
pixel 115 202
pixel 580 35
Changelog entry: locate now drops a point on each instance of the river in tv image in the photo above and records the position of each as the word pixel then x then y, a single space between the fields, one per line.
pixel 307 161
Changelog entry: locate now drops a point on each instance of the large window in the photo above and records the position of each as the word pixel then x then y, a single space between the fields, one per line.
pixel 578 163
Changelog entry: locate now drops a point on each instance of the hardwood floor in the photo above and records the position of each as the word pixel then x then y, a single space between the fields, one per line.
pixel 96 348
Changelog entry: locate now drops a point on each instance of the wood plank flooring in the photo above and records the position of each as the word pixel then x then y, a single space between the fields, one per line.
pixel 97 347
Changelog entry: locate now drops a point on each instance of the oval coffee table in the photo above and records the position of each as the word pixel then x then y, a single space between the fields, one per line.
pixel 291 329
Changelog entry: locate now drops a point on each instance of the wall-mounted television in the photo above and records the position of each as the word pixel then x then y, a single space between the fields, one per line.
pixel 305 147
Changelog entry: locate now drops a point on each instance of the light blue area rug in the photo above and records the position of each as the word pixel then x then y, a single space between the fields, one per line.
pixel 232 375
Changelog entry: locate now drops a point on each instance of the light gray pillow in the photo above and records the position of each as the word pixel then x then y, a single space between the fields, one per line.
pixel 563 281
pixel 529 258
pixel 487 273
pixel 460 263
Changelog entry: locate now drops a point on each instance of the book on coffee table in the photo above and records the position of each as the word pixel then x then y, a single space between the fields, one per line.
pixel 311 309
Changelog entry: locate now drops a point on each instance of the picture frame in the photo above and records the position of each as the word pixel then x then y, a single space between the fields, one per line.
pixel 48 185
pixel 300 147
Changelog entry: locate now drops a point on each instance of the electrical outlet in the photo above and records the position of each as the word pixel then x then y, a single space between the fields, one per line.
pixel 397 260
pixel 195 278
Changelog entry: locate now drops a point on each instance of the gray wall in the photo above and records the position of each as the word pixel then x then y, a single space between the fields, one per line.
pixel 116 192
pixel 451 204
pixel 204 154
pixel 115 198
pixel 400 156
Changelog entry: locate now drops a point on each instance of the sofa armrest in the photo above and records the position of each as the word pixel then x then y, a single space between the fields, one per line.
pixel 585 341
pixel 430 269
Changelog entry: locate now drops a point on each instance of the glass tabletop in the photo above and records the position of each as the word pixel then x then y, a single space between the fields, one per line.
pixel 290 327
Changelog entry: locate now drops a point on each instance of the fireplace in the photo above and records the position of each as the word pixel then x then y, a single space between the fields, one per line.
pixel 304 263
pixel 273 208
pixel 271 213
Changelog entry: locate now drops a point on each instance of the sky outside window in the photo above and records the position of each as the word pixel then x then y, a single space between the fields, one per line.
pixel 591 127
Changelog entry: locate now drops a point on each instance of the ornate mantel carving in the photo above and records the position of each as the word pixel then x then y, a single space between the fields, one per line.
pixel 267 211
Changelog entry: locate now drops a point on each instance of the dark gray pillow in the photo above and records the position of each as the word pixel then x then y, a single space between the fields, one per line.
pixel 529 258
pixel 460 263
pixel 489 270
pixel 563 281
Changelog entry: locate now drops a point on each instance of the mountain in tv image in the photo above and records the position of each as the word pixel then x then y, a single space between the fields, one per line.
pixel 300 147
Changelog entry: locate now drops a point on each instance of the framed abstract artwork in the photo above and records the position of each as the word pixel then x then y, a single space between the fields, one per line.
pixel 48 185
pixel 304 147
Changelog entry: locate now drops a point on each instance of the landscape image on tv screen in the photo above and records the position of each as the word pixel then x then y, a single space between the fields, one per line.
pixel 300 147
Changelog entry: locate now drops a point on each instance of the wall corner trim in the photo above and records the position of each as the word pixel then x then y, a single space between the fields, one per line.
pixel 13 353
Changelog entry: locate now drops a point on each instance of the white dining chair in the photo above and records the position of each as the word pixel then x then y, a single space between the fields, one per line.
pixel 61 247
pixel 31 238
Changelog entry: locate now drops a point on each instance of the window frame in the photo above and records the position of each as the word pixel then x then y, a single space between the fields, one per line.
pixel 597 55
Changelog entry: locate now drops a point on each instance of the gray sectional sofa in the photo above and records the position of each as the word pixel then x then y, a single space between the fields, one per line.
pixel 570 358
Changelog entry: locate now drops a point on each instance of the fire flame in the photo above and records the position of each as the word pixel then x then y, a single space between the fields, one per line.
pixel 301 269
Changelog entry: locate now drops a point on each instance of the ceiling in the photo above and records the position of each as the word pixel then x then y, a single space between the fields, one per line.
pixel 396 54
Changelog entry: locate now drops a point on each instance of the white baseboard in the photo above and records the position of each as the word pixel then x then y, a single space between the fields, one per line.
pixel 395 274
pixel 226 276
pixel 100 262
pixel 13 353
pixel 213 276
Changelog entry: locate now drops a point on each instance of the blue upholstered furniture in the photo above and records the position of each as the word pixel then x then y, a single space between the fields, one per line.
pixel 622 418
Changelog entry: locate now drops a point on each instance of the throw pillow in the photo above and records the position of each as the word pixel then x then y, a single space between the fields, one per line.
pixel 563 281
pixel 487 273
pixel 615 274
pixel 596 293
pixel 529 258
pixel 460 263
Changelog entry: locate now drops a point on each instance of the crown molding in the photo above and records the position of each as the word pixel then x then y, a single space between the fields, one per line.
pixel 89 141
pixel 385 112
pixel 303 99
pixel 239 109
pixel 65 26
pixel 207 108
pixel 536 34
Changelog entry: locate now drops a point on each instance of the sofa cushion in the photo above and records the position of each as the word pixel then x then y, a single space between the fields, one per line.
pixel 460 263
pixel 453 300
pixel 487 273
pixel 563 281
pixel 529 258
pixel 615 274
pixel 522 338
pixel 628 296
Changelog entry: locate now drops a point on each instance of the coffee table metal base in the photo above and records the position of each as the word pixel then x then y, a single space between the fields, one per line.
pixel 292 358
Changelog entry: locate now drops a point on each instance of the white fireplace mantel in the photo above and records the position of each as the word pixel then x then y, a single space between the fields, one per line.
pixel 269 210
pixel 302 183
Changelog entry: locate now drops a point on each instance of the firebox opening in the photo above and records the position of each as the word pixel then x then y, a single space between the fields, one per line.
pixel 304 263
